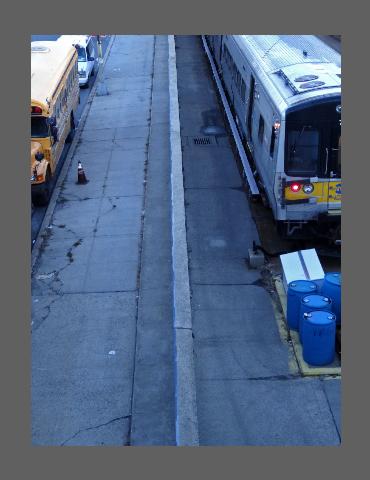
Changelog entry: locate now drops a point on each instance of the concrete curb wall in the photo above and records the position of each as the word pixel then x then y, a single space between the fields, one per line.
pixel 186 408
pixel 50 210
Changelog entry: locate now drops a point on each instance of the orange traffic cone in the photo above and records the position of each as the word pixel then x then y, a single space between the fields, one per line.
pixel 81 177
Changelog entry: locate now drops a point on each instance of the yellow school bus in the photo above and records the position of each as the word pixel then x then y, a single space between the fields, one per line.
pixel 54 100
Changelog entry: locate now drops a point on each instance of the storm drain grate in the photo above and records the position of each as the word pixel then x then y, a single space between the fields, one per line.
pixel 202 141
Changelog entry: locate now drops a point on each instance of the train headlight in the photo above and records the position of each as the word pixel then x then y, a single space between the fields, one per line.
pixel 308 188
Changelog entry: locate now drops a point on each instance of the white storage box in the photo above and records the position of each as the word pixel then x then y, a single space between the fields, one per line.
pixel 302 265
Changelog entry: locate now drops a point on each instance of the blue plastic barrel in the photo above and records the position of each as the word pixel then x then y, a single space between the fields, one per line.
pixel 319 338
pixel 331 288
pixel 296 291
pixel 310 303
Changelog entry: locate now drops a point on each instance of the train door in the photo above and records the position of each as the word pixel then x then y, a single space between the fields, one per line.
pixel 333 169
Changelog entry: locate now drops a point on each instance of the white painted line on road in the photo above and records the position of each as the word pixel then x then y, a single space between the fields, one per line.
pixel 186 408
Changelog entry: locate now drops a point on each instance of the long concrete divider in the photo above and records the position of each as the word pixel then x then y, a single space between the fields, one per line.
pixel 186 409
pixel 67 162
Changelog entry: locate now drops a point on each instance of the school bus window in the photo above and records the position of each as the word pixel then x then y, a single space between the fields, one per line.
pixel 39 127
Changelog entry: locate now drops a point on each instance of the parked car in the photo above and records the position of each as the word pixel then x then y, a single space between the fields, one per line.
pixel 85 47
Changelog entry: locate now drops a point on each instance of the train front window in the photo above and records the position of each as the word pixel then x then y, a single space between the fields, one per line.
pixel 39 127
pixel 303 151
pixel 334 158
pixel 312 141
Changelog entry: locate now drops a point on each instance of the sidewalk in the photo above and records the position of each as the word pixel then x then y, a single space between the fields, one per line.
pixel 102 370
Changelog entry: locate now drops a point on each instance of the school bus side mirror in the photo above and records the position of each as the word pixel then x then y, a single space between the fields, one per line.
pixel 52 121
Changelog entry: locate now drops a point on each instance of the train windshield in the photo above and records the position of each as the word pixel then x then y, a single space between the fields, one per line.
pixel 312 144
pixel 303 150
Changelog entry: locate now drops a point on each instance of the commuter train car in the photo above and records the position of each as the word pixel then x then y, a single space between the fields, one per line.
pixel 285 95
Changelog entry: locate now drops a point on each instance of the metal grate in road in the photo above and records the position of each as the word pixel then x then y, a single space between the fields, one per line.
pixel 202 141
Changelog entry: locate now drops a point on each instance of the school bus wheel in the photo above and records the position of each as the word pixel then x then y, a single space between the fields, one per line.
pixel 44 194
pixel 72 130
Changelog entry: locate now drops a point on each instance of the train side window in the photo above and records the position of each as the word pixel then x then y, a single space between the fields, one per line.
pixel 238 80
pixel 242 90
pixel 250 106
pixel 261 128
pixel 227 57
pixel 272 143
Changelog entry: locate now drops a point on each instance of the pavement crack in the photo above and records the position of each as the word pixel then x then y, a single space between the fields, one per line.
pixel 63 226
pixel 45 317
pixel 331 411
pixel 55 273
pixel 94 428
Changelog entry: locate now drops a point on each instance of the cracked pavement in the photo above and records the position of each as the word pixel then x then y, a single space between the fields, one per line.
pixel 97 280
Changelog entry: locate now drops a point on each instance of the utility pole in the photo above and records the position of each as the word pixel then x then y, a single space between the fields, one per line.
pixel 101 89
pixel 100 50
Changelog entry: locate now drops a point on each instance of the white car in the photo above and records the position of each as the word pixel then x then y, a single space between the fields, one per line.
pixel 87 60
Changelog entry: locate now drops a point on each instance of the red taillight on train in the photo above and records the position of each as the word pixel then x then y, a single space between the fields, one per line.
pixel 295 187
